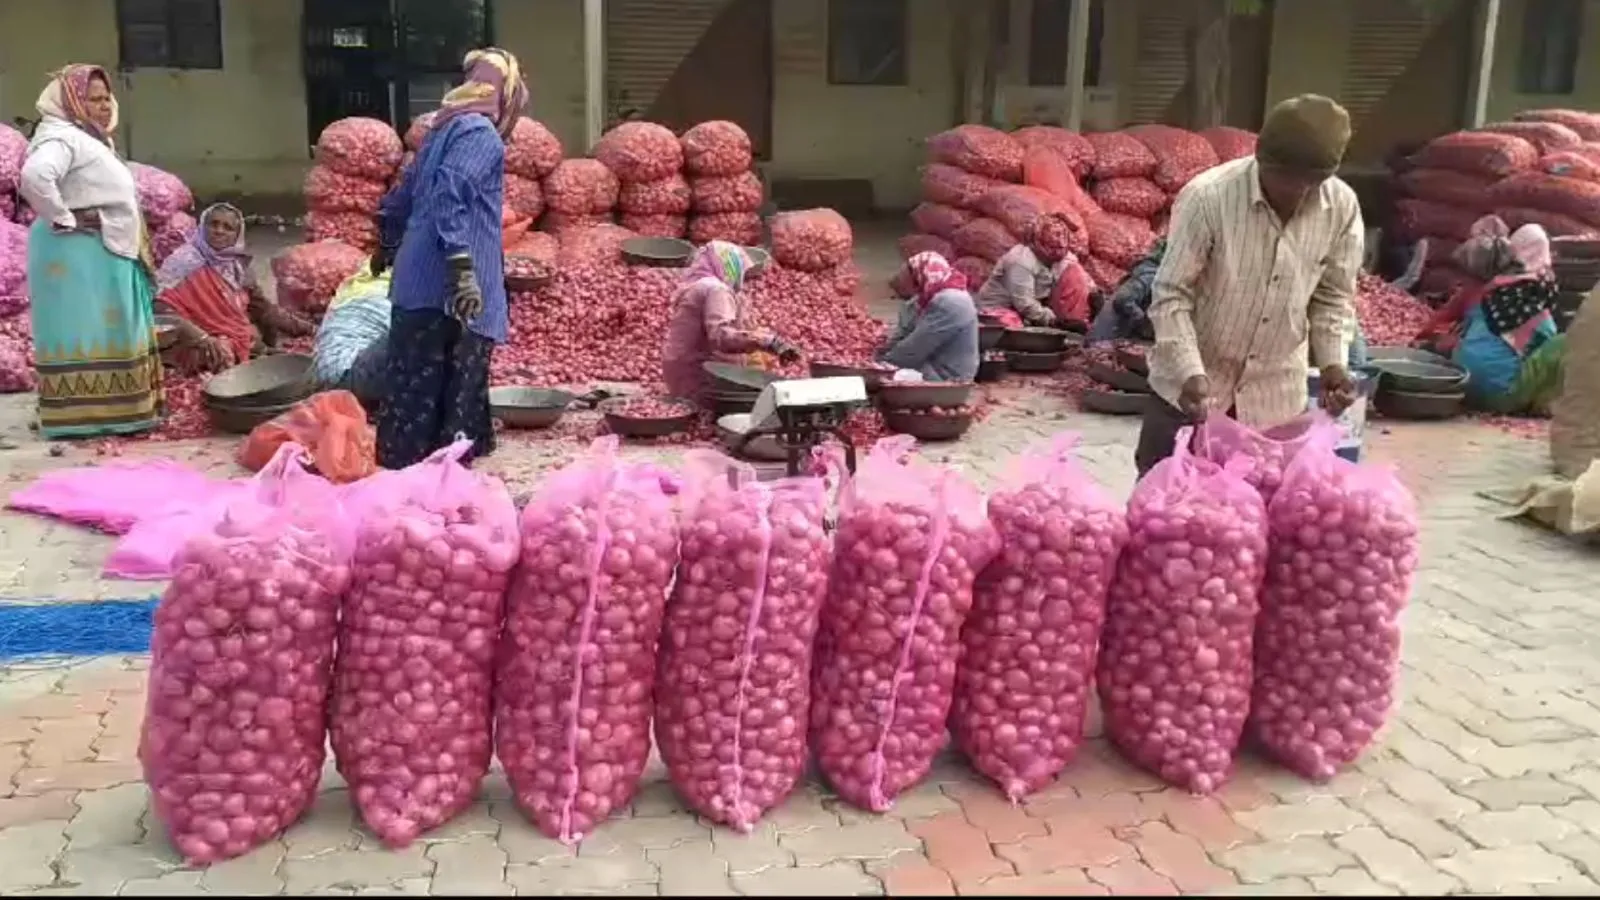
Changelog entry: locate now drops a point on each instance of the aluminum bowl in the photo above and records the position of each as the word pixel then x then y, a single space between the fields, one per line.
pixel 1420 378
pixel 926 427
pixel 921 395
pixel 1425 406
pixel 527 407
pixel 1119 379
pixel 266 380
pixel 666 253
pixel 1037 340
pixel 1114 403
pixel 630 426
pixel 1018 361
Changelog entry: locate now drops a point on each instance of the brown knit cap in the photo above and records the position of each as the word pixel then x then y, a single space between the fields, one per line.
pixel 1307 133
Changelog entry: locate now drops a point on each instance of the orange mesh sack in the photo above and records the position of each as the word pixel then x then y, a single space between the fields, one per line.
pixel 332 427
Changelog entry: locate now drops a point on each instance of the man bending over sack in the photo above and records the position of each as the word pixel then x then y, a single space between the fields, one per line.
pixel 1262 258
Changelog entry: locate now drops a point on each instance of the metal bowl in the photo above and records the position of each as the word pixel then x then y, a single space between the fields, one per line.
pixel 921 395
pixel 731 428
pixel 1376 355
pixel 1420 378
pixel 727 377
pixel 666 253
pixel 760 259
pixel 1423 406
pixel 874 377
pixel 1114 403
pixel 724 403
pixel 991 370
pixel 528 407
pixel 231 419
pixel 1035 340
pixel 1575 247
pixel 926 427
pixel 279 378
pixel 1134 361
pixel 629 426
pixel 166 331
pixel 989 336
pixel 1018 361
pixel 1577 275
pixel 1119 379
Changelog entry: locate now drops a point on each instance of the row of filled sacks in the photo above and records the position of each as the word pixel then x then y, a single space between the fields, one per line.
pixel 425 625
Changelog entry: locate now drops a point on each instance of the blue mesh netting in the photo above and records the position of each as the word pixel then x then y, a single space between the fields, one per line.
pixel 71 628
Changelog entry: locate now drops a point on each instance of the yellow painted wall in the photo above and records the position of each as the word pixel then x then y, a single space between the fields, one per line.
pixel 1505 100
pixel 547 37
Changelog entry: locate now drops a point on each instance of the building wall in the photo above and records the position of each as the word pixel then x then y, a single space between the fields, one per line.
pixel 1505 99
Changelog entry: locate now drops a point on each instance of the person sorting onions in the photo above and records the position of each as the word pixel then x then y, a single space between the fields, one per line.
pixel 94 333
pixel 1125 314
pixel 440 226
pixel 937 335
pixel 1260 267
pixel 711 323
pixel 1028 278
pixel 352 344
pixel 1501 329
pixel 208 284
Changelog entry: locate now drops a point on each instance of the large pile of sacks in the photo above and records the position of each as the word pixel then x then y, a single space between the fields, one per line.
pixel 1543 167
pixel 983 188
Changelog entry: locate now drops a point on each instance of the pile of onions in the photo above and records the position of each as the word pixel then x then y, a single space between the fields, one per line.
pixel 1029 645
pixel 911 540
pixel 241 661
pixel 733 686
pixel 1344 545
pixel 1175 654
pixel 162 194
pixel 572 694
pixel 411 702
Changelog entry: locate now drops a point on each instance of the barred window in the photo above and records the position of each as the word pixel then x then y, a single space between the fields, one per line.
pixel 867 42
pixel 170 34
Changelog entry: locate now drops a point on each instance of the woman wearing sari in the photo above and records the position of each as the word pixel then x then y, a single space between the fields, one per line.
pixel 94 340
pixel 209 285
pixel 441 227
pixel 710 322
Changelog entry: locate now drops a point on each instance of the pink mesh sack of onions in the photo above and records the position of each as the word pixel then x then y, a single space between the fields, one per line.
pixel 361 147
pixel 983 238
pixel 573 693
pixel 13 266
pixel 533 151
pixel 308 275
pixel 670 196
pixel 1546 137
pixel 1230 143
pixel 716 148
pixel 242 652
pixel 729 193
pixel 1029 645
pixel 953 187
pixel 1477 152
pixel 162 194
pixel 667 226
pixel 939 220
pixel 357 230
pixel 13 149
pixel 1585 124
pixel 1344 545
pixel 733 686
pixel 912 538
pixel 640 151
pixel 811 240
pixel 912 244
pixel 177 231
pixel 1271 451
pixel 980 150
pixel 1175 664
pixel 1137 197
pixel 1537 190
pixel 581 187
pixel 330 191
pixel 1180 154
pixel 1118 154
pixel 1071 146
pixel 412 694
pixel 737 228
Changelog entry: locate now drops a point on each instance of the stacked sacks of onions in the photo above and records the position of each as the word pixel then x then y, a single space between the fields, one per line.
pixel 578 194
pixel 167 205
pixel 727 194
pixel 308 275
pixel 13 149
pixel 412 705
pixel 1175 666
pixel 733 683
pixel 819 242
pixel 1029 646
pixel 357 160
pixel 648 161
pixel 912 538
pixel 964 164
pixel 1344 547
pixel 573 699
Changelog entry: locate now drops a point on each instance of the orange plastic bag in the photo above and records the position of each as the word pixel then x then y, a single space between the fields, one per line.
pixel 512 227
pixel 1050 171
pixel 332 427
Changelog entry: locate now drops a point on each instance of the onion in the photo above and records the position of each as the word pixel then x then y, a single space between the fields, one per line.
pixel 1221 439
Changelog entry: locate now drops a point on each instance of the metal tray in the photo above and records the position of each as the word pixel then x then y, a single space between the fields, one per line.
pixel 991 370
pixel 925 427
pixel 628 426
pixel 1133 361
pixel 528 407
pixel 1376 355
pixel 666 253
pixel 1420 378
pixel 1114 403
pixel 1119 379
pixel 1425 406
pixel 279 378
pixel 243 419
pixel 760 260
pixel 875 378
pixel 729 378
pixel 1018 361
pixel 922 395
pixel 989 336
pixel 1036 340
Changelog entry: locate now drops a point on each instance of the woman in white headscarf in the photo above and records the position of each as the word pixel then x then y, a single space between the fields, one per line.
pixel 89 272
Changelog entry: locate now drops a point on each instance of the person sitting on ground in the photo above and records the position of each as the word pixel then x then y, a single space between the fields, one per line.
pixel 937 334
pixel 225 316
pixel 710 322
pixel 1026 279
pixel 1125 314
pixel 352 344
pixel 1500 329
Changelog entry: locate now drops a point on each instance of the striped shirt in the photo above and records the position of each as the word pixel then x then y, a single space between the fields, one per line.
pixel 1241 297
pixel 448 202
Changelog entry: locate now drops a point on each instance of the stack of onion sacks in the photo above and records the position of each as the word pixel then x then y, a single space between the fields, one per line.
pixel 733 687
pixel 720 162
pixel 412 689
pixel 1029 645
pixel 648 161
pixel 357 160
pixel 911 540
pixel 1175 667
pixel 573 694
pixel 242 652
pixel 1344 545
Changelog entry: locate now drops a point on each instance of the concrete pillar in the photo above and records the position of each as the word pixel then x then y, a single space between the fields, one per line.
pixel 1482 81
pixel 1077 61
pixel 594 70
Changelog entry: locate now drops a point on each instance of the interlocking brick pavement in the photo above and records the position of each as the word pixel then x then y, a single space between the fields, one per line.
pixel 1486 781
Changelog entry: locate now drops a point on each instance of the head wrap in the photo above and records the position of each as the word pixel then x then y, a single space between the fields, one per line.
pixel 232 263
pixel 494 89
pixel 727 263
pixel 1307 133
pixel 1493 250
pixel 1050 237
pixel 931 273
pixel 66 97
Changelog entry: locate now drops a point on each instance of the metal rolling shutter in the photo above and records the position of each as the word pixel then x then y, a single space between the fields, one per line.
pixel 1386 37
pixel 646 41
pixel 1163 56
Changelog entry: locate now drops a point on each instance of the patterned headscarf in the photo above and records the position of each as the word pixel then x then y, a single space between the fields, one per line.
pixel 727 263
pixel 66 97
pixel 1493 250
pixel 932 273
pixel 232 263
pixel 494 88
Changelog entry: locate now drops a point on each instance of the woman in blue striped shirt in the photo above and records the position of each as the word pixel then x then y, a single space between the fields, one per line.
pixel 441 228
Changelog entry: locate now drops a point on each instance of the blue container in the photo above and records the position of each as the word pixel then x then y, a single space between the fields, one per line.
pixel 1353 422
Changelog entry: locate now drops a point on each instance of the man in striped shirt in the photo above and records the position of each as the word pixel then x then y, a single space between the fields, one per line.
pixel 1260 272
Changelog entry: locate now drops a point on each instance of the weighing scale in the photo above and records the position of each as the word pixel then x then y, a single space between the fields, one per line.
pixel 799 414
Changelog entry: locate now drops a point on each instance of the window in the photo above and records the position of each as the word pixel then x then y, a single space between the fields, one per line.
pixel 170 34
pixel 1548 61
pixel 1048 40
pixel 867 42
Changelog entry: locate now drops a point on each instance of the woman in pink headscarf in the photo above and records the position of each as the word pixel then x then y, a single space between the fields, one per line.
pixel 710 322
pixel 937 335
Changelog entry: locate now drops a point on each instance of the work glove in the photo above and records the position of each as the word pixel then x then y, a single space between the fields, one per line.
pixel 785 351
pixel 466 299
pixel 381 260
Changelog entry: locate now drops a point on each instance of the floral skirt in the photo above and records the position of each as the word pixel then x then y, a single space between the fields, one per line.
pixel 436 388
